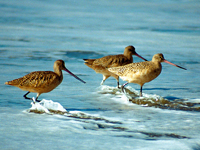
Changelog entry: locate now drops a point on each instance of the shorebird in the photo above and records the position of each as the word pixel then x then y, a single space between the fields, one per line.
pixel 42 81
pixel 142 72
pixel 101 65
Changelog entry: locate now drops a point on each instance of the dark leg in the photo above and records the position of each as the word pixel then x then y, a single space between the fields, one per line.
pixel 27 97
pixel 37 99
pixel 118 84
pixel 123 86
pixel 141 91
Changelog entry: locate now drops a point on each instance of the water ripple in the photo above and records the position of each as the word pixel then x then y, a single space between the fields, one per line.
pixel 169 102
pixel 161 102
pixel 83 54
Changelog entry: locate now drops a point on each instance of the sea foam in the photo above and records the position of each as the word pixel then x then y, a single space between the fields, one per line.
pixel 47 106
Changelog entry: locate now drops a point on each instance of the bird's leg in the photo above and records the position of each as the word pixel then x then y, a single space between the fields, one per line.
pixel 118 82
pixel 117 78
pixel 36 99
pixel 104 78
pixel 25 96
pixel 141 91
pixel 102 82
pixel 123 86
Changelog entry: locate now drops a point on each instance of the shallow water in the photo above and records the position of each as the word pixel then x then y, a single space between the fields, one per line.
pixel 33 34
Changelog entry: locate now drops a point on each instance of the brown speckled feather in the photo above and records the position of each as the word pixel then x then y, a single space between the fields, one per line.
pixel 36 80
pixel 133 68
pixel 139 73
pixel 112 61
pixel 101 65
pixel 142 72
pixel 42 81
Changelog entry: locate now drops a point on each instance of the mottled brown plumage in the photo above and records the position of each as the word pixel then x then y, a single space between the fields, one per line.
pixel 101 65
pixel 142 72
pixel 42 81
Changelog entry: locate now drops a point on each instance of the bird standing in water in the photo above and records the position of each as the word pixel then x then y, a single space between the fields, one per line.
pixel 101 65
pixel 42 81
pixel 142 72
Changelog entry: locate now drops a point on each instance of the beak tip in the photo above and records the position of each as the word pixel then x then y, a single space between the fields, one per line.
pixel 182 68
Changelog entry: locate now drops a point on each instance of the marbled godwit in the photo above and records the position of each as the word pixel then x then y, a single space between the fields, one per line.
pixel 142 72
pixel 101 65
pixel 42 81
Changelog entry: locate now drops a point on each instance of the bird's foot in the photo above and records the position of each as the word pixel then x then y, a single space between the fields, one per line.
pixel 35 100
pixel 102 82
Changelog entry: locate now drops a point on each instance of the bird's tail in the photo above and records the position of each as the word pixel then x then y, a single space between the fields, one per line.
pixel 89 62
pixel 7 83
pixel 13 82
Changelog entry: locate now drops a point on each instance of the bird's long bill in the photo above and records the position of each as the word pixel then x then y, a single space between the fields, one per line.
pixel 140 56
pixel 174 64
pixel 74 75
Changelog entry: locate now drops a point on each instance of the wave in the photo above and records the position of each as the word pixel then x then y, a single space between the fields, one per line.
pixel 98 122
pixel 47 106
pixel 130 96
pixel 148 100
pixel 83 54
pixel 52 108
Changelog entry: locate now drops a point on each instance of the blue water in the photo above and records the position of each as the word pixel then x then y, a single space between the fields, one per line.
pixel 33 34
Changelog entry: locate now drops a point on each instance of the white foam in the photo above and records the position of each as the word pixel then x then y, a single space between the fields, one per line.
pixel 45 106
pixel 144 95
pixel 39 108
pixel 135 94
pixel 50 105
pixel 195 100
pixel 109 90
